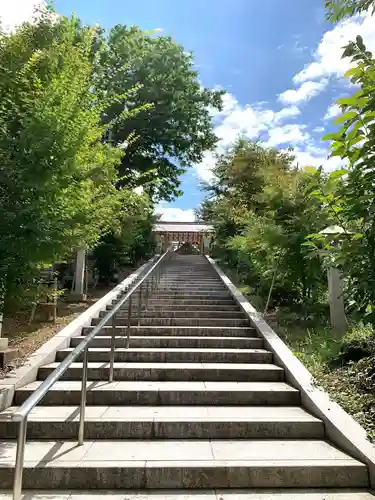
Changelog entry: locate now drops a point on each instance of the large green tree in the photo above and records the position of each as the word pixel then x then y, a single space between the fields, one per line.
pixel 175 127
pixel 57 178
pixel 262 213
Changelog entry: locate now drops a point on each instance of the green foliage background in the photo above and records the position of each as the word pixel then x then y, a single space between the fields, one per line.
pixel 85 118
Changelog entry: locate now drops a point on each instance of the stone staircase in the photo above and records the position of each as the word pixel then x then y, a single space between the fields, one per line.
pixel 197 407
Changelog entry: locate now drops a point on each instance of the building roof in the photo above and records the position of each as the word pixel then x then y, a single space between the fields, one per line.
pixel 182 227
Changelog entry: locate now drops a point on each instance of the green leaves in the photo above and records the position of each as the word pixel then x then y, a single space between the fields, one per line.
pixel 341 9
pixel 332 137
pixel 57 179
pixel 174 132
pixel 349 115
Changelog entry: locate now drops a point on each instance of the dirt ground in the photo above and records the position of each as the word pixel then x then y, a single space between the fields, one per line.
pixel 27 338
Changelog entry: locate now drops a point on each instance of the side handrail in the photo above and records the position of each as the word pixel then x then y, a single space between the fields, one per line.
pixel 149 281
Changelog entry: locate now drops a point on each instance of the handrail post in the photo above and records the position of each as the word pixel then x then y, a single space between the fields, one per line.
pixel 129 321
pixel 81 431
pixel 147 294
pixel 140 304
pixel 113 348
pixel 18 471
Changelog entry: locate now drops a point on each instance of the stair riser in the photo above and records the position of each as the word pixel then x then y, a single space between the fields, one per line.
pixel 171 397
pixel 183 285
pixel 192 294
pixel 189 276
pixel 123 313
pixel 155 374
pixel 138 475
pixel 190 291
pixel 174 357
pixel 212 308
pixel 183 303
pixel 204 322
pixel 204 342
pixel 190 279
pixel 167 430
pixel 191 284
pixel 191 303
pixel 174 331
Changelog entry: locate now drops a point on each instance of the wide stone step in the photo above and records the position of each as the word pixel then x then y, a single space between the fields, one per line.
pixel 212 331
pixel 183 464
pixel 157 306
pixel 193 294
pixel 168 422
pixel 176 355
pixel 191 276
pixel 171 313
pixel 192 494
pixel 166 393
pixel 188 290
pixel 189 282
pixel 153 371
pixel 204 322
pixel 175 341
pixel 180 301
pixel 192 285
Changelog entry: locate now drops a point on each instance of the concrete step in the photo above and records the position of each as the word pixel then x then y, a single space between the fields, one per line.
pixel 188 290
pixel 220 494
pixel 193 294
pixel 175 341
pixel 193 285
pixel 186 302
pixel 191 276
pixel 203 322
pixel 190 279
pixel 175 355
pixel 171 313
pixel 166 393
pixel 173 464
pixel 157 306
pixel 212 331
pixel 154 371
pixel 168 422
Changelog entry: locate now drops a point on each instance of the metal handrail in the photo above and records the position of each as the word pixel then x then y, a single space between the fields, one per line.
pixel 23 411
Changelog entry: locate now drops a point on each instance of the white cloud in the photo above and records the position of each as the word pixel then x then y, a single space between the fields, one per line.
pixel 333 111
pixel 304 93
pixel 319 130
pixel 307 159
pixel 175 214
pixel 327 60
pixel 15 12
pixel 251 122
pixel 256 121
pixel 328 56
pixel 288 134
pixel 291 112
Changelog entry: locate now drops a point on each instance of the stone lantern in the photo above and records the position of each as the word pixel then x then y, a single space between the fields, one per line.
pixel 338 319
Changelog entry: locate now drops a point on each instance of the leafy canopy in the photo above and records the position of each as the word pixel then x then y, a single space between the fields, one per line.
pixel 174 128
pixel 57 178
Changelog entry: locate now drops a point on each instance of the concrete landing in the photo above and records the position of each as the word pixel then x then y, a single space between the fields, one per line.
pixel 195 495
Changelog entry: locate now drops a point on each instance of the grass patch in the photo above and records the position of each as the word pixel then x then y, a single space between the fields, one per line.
pixel 329 357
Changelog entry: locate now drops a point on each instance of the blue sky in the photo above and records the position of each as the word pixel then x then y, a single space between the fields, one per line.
pixel 278 59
